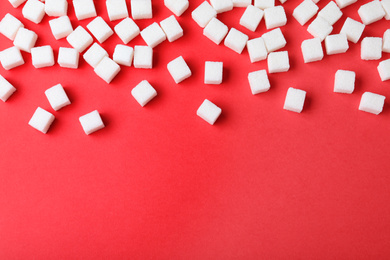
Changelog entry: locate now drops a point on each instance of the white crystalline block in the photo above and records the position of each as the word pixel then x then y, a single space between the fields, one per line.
pixel 320 28
pixel 258 81
pixel 84 9
pixel 371 48
pixel 42 56
pixel 56 7
pixel 372 103
pixel 127 30
pixel 91 122
pixel 256 49
pixel 34 11
pixel 143 93
pixel 295 99
pixel 11 58
pixel 107 69
pixel 68 58
pixel 213 72
pixel 331 13
pixel 178 7
pixel 179 69
pixel 384 70
pixel 41 120
pixel 251 18
pixel 94 55
pixel 278 62
pixel 123 55
pixel 100 29
pixel 79 39
pixel 203 14
pixel 312 50
pixel 241 3
pixel 274 40
pixel 141 9
pixel 209 112
pixel 236 40
pixel 61 27
pixel 386 41
pixel 386 7
pixel 143 57
pixel 171 28
pixel 336 43
pixel 215 30
pixel 264 4
pixel 371 12
pixel 344 81
pixel 116 9
pixel 6 89
pixel 16 3
pixel 345 3
pixel 353 29
pixel 9 26
pixel 305 11
pixel 222 5
pixel 275 17
pixel 25 39
pixel 57 97
pixel 153 35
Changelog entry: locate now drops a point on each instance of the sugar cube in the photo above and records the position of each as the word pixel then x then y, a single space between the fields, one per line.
pixel 371 12
pixel 79 39
pixel 344 81
pixel 6 89
pixel 153 35
pixel 336 43
pixel 143 57
pixel 274 40
pixel 116 9
pixel 264 4
pixel 16 3
pixel 61 27
pixel 251 17
pixel 34 11
pixel 179 69
pixel 41 120
pixel 258 81
pixel 275 17
pixel 68 58
pixel 213 72
pixel 203 14
pixel 9 26
pixel 57 97
pixel 372 103
pixel 371 48
pixel 178 7
pixel 127 30
pixel 331 13
pixel 143 93
pixel 320 28
pixel 94 55
pixel 384 69
pixel 236 40
pixel 100 29
pixel 11 58
pixel 278 62
pixel 84 9
pixel 42 56
pixel 222 5
pixel 56 7
pixel 256 49
pixel 141 9
pixel 171 28
pixel 215 30
pixel 241 3
pixel 209 112
pixel 123 55
pixel 91 122
pixel 386 7
pixel 312 50
pixel 353 29
pixel 345 3
pixel 107 69
pixel 25 39
pixel 305 11
pixel 386 41
pixel 295 99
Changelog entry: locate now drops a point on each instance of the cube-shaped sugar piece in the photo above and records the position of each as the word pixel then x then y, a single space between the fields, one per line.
pixel 79 39
pixel 295 99
pixel 305 11
pixel 372 103
pixel 386 6
pixel 258 81
pixel 56 7
pixel 353 29
pixel 236 40
pixel 213 72
pixel 11 58
pixel 143 57
pixel 91 122
pixel 278 62
pixel 203 14
pixel 61 27
pixel 141 9
pixel 241 3
pixel 9 26
pixel 256 49
pixel 386 41
pixel 84 9
pixel 179 69
pixel 25 39
pixel 209 112
pixel 42 56
pixel 116 9
pixel 345 3
pixel 100 29
pixel 222 5
pixel 171 28
pixel 127 30
pixel 107 69
pixel 16 3
pixel 34 11
pixel 251 17
pixel 94 55
pixel 371 48
pixel 371 12
pixel 143 93
pixel 6 89
pixel 123 55
pixel 344 81
pixel 264 4
pixel 275 17
pixel 68 58
pixel 57 97
pixel 178 7
pixel 274 40
pixel 153 35
pixel 215 30
pixel 312 50
pixel 336 43
pixel 320 28
pixel 331 13
pixel 41 120
pixel 384 69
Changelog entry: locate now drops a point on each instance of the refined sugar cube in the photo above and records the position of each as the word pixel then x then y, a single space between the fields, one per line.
pixel 116 9
pixel 384 70
pixel 305 11
pixel 11 58
pixel 141 9
pixel 331 13
pixel 336 43
pixel 41 120
pixel 25 39
pixel 371 12
pixel 79 39
pixel 241 3
pixel 127 30
pixel 178 7
pixel 203 14
pixel 215 30
pixel 56 7
pixel 386 41
pixel 353 29
pixel 264 4
pixel 274 40
pixel 222 5
pixel 107 69
pixel 143 93
pixel 344 81
pixel 209 112
pixel 61 27
pixel 68 58
pixel 57 97
pixel 94 55
pixel 84 9
pixel 251 18
pixel 320 28
pixel 6 89
pixel 386 7
pixel 42 56
pixel 9 26
pixel 34 11
pixel 312 50
pixel 256 49
pixel 91 122
pixel 278 62
pixel 153 35
pixel 213 72
pixel 143 57
pixel 372 103
pixel 344 3
pixel 371 48
pixel 236 40
pixel 16 3
pixel 171 28
pixel 100 29
pixel 258 81
pixel 179 69
pixel 275 17
pixel 295 99
pixel 123 55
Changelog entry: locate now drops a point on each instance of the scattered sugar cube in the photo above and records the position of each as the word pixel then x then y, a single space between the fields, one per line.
pixel 236 40
pixel 107 69
pixel 94 55
pixel 386 41
pixel 312 50
pixel 306 10
pixel 9 26
pixel 123 55
pixel 384 70
pixel 241 3
pixel 215 30
pixel 127 30
pixel 386 6
pixel 42 56
pixel 256 49
pixel 353 29
pixel 179 69
pixel 371 12
pixel 61 27
pixel 222 5
pixel 143 93
pixel 264 4
pixel 79 39
pixel 143 57
pixel 344 81
pixel 141 9
pixel 34 11
pixel 57 97
pixel 295 99
pixel 278 62
pixel 116 9
pixel 209 112
pixel 100 29
pixel 372 103
pixel 41 120
pixel 320 28
pixel 331 13
pixel 153 35
pixel 258 81
pixel 178 7
pixel 336 43
pixel 203 14
pixel 274 40
pixel 275 17
pixel 371 48
pixel 84 9
pixel 6 89
pixel 68 58
pixel 171 28
pixel 25 39
pixel 56 7
pixel 16 3
pixel 345 3
pixel 213 72
pixel 91 122
pixel 251 18
pixel 11 58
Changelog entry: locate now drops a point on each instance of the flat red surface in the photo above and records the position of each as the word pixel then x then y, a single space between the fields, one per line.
pixel 160 183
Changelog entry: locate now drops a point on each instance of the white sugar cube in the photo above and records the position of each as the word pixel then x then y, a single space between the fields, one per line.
pixel 143 57
pixel 336 43
pixel 141 9
pixel 345 3
pixel 116 9
pixel 331 13
pixel 371 12
pixel 9 26
pixel 11 58
pixel 371 48
pixel 56 7
pixel 386 7
pixel 6 89
pixel 274 40
pixel 179 69
pixel 123 55
pixel 209 112
pixel 251 18
pixel 258 81
pixel 143 93
pixel 203 14
pixel 344 81
pixel 171 28
pixel 16 3
pixel 222 5
pixel 295 100
pixel 256 49
pixel 215 30
pixel 91 122
pixel 213 72
pixel 57 97
pixel 372 103
pixel 305 11
pixel 312 50
pixel 153 35
pixel 320 28
pixel 384 69
pixel 236 40
pixel 25 39
pixel 127 30
pixel 100 29
pixel 275 17
pixel 353 29
pixel 42 56
pixel 34 11
pixel 79 39
pixel 84 9
pixel 264 4
pixel 61 27
pixel 107 69
pixel 68 58
pixel 241 3
pixel 41 120
pixel 386 41
pixel 94 55
pixel 278 62
pixel 178 7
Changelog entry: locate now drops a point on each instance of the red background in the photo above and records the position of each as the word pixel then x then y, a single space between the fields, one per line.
pixel 160 183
